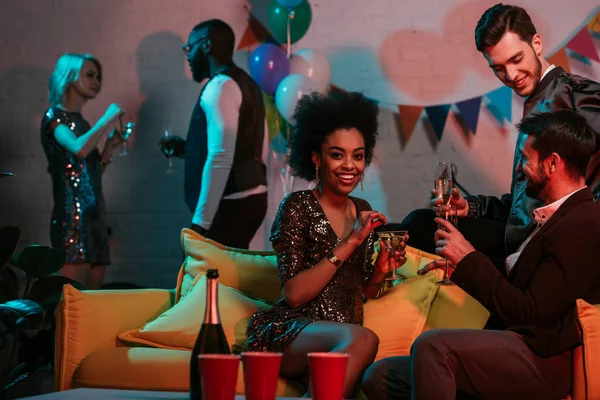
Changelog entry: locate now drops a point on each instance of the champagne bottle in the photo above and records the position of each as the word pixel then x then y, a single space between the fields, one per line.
pixel 211 339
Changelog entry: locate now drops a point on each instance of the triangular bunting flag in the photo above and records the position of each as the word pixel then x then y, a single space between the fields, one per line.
pixel 578 57
pixel 469 111
pixel 560 59
pixel 437 117
pixel 500 103
pixel 583 44
pixel 255 34
pixel 594 25
pixel 409 116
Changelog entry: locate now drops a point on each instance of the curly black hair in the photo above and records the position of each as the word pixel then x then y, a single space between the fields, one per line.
pixel 318 115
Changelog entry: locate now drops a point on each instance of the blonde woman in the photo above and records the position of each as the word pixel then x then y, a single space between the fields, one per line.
pixel 75 163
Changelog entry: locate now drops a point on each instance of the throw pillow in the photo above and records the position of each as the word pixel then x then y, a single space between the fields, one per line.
pixel 399 315
pixel 252 272
pixel 178 327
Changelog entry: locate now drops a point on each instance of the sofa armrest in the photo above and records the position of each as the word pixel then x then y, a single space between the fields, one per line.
pixel 88 321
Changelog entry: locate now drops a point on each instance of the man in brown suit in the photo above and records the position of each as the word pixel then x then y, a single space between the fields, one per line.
pixel 525 350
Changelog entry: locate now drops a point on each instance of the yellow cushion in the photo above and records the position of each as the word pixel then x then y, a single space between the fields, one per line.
pixel 399 315
pixel 135 368
pixel 252 272
pixel 454 308
pixel 90 320
pixel 415 260
pixel 178 327
pixel 586 366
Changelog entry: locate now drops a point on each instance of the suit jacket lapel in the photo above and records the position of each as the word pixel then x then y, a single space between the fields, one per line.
pixel 576 199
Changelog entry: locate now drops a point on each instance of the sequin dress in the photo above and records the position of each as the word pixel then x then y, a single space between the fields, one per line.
pixel 302 236
pixel 78 223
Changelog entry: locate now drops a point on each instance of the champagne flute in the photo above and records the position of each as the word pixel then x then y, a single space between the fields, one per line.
pixel 392 240
pixel 443 181
pixel 125 133
pixel 169 152
pixel 448 213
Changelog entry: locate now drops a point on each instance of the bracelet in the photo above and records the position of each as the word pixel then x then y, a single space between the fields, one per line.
pixel 334 260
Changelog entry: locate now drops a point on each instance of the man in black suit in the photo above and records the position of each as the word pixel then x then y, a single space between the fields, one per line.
pixel 525 350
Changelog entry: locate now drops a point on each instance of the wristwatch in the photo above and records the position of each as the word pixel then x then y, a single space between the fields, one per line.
pixel 334 260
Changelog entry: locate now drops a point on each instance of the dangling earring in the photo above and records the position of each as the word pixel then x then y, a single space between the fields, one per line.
pixel 317 176
pixel 362 177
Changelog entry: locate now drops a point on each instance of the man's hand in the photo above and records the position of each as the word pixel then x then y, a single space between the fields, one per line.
pixel 456 200
pixel 173 146
pixel 450 243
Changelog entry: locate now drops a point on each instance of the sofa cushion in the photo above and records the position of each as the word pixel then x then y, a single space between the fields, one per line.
pixel 415 260
pixel 399 315
pixel 137 368
pixel 586 360
pixel 252 272
pixel 178 327
pixel 453 308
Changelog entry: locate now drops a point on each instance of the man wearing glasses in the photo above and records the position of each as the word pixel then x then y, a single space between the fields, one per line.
pixel 225 169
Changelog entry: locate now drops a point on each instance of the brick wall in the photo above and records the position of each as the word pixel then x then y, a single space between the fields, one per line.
pixel 396 51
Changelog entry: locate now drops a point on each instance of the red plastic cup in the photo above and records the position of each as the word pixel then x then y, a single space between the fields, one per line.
pixel 327 374
pixel 261 372
pixel 218 375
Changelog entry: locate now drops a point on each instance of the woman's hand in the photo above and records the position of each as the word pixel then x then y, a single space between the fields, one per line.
pixel 386 261
pixel 365 223
pixel 114 137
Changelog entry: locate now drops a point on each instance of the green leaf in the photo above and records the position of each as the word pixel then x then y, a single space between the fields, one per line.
pixel 9 285
pixel 47 291
pixel 40 261
pixel 9 240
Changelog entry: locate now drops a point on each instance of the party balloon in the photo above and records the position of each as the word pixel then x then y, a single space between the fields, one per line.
pixel 268 66
pixel 314 64
pixel 299 22
pixel 290 3
pixel 276 124
pixel 290 90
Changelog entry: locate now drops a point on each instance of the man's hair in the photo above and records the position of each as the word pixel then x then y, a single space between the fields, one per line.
pixel 66 71
pixel 318 116
pixel 498 20
pixel 565 133
pixel 221 36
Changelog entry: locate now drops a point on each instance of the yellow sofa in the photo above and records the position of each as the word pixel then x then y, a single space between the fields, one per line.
pixel 121 338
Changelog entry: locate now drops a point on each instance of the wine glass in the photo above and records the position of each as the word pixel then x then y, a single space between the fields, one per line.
pixel 443 181
pixel 125 133
pixel 169 152
pixel 392 240
pixel 449 214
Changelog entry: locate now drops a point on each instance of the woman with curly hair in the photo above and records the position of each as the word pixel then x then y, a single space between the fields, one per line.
pixel 324 242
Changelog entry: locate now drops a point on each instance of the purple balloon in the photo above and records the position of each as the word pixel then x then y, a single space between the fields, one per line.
pixel 268 66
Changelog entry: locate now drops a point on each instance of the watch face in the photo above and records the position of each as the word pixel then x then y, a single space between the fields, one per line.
pixel 334 260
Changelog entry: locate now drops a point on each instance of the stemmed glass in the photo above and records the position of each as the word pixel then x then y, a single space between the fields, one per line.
pixel 443 181
pixel 449 214
pixel 392 240
pixel 169 152
pixel 125 133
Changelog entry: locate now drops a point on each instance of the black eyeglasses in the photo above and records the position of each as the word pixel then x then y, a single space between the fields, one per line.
pixel 189 46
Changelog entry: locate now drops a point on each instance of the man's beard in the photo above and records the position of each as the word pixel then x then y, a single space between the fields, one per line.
pixel 537 73
pixel 200 70
pixel 535 188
